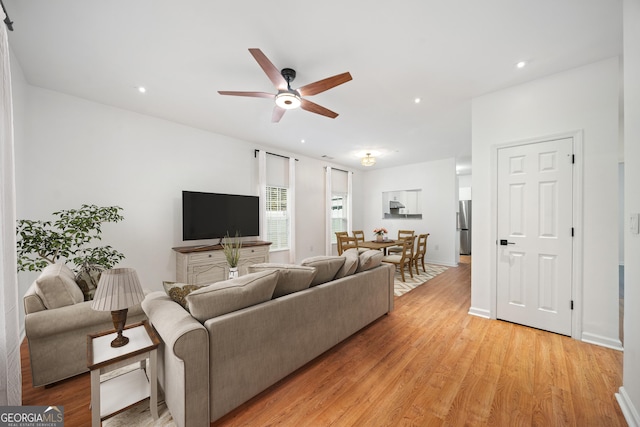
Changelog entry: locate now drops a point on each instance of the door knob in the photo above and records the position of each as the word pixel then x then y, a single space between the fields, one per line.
pixel 505 243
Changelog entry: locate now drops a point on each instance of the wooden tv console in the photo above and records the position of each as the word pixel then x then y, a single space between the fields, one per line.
pixel 201 265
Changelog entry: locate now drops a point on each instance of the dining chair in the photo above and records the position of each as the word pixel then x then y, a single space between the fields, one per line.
pixel 403 259
pixel 401 235
pixel 359 234
pixel 347 242
pixel 339 243
pixel 421 250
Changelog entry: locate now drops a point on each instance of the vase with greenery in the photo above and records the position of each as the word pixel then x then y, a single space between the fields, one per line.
pixel 231 248
pixel 68 239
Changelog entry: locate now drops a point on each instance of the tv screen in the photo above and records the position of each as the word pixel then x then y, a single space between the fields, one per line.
pixel 212 215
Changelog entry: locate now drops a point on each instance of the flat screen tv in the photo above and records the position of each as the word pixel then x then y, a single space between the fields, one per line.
pixel 213 215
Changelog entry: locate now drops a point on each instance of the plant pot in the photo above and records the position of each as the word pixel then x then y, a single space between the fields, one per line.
pixel 233 272
pixel 379 238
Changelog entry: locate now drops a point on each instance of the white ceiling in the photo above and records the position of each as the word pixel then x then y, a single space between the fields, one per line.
pixel 444 51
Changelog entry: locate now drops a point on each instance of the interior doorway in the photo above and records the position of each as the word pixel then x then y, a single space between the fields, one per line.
pixel 535 234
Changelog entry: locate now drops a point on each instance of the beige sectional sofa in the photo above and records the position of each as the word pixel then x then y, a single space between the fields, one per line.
pixel 220 355
pixel 57 321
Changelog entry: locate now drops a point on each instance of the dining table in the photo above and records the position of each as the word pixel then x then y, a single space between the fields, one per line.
pixel 378 244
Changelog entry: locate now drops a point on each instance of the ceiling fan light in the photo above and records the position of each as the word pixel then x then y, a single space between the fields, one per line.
pixel 287 100
pixel 368 160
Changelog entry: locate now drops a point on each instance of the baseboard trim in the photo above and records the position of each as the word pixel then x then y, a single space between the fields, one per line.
pixel 440 262
pixel 628 410
pixel 602 341
pixel 480 312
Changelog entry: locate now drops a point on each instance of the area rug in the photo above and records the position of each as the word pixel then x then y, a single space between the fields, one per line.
pixel 401 288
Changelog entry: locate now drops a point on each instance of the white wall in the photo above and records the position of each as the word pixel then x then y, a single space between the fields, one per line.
pixel 629 397
pixel 464 187
pixel 70 151
pixel 437 180
pixel 586 99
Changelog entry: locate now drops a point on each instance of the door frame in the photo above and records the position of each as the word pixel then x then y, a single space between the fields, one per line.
pixel 576 272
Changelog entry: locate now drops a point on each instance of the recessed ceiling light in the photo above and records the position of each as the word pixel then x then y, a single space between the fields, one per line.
pixel 417 100
pixel 521 64
pixel 302 141
pixel 142 89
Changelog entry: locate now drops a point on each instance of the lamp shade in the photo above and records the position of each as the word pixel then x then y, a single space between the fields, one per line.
pixel 118 288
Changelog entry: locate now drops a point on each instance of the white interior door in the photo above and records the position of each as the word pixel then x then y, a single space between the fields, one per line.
pixel 535 189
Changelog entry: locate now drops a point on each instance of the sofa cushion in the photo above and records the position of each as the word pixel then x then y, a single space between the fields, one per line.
pixel 369 260
pixel 56 287
pixel 231 295
pixel 327 267
pixel 292 278
pixel 350 263
pixel 179 291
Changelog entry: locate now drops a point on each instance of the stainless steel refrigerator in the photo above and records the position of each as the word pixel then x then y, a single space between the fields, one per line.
pixel 464 224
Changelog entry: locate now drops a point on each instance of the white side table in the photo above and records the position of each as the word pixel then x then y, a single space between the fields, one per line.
pixel 116 394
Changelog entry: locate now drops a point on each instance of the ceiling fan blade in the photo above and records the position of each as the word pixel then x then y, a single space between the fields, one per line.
pixel 318 109
pixel 324 84
pixel 250 94
pixel 270 70
pixel 277 114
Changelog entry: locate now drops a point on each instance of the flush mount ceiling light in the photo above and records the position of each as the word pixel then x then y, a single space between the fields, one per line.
pixel 521 64
pixel 368 160
pixel 288 99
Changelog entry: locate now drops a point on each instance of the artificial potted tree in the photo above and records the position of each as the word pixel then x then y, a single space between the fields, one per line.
pixel 231 248
pixel 67 239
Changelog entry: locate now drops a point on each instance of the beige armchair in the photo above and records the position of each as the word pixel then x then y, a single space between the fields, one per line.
pixel 57 321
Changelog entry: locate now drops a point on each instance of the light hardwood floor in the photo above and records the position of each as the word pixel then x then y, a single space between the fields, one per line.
pixel 428 363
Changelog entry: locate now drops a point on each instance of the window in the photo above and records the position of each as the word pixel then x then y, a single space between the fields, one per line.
pixel 339 215
pixel 278 218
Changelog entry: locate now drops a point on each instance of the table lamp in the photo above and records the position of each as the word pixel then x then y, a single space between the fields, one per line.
pixel 118 289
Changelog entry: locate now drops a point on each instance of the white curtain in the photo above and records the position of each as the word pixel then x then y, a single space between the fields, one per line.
pixel 292 210
pixel 10 372
pixel 262 192
pixel 328 192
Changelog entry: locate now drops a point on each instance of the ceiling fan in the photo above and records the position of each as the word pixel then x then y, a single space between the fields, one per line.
pixel 287 98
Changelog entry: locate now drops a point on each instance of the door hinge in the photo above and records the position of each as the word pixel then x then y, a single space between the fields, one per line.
pixel 571 304
pixel 573 158
pixel 572 232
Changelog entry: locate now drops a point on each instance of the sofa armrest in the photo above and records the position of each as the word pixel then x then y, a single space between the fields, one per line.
pixel 31 300
pixel 184 361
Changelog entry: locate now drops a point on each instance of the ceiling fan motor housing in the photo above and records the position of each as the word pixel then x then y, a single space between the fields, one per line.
pixel 289 74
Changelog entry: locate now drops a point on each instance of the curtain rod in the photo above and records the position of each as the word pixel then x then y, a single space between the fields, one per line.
pixel 256 151
pixel 7 21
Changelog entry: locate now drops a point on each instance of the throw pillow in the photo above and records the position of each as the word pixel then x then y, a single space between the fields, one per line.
pixel 327 267
pixel 291 278
pixel 231 295
pixel 179 291
pixel 87 280
pixel 350 263
pixel 369 260
pixel 57 288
